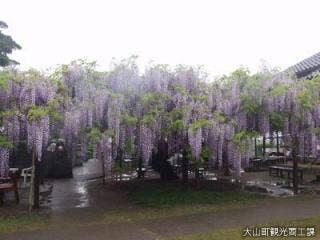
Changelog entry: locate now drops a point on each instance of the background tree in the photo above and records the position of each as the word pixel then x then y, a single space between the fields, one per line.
pixel 7 45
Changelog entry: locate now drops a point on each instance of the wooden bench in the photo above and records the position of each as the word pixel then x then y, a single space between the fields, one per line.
pixel 8 185
pixel 280 170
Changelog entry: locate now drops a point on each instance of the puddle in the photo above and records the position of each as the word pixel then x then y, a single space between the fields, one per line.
pixel 271 188
pixel 81 189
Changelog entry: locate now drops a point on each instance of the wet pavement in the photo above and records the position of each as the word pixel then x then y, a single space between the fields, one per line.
pixel 77 192
pixel 83 198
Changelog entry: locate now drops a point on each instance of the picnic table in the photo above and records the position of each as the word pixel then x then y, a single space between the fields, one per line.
pixel 272 160
pixel 280 170
pixel 258 163
pixel 10 184
pixel 306 159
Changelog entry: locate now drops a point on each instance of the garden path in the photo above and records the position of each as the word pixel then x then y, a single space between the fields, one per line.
pixel 76 208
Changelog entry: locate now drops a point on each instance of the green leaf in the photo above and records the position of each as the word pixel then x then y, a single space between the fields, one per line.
pixel 199 124
pixel 94 135
pixel 36 113
pixel 129 120
pixel 4 142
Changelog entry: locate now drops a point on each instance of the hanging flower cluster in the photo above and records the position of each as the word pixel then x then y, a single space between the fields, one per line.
pixel 25 112
pixel 146 139
pixel 195 141
pixel 106 153
pixel 4 162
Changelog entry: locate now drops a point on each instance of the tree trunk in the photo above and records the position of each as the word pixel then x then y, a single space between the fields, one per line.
pixel 264 146
pixel 255 147
pixel 102 159
pixel 295 175
pixel 120 156
pixel 295 165
pixel 34 185
pixel 140 173
pixel 185 167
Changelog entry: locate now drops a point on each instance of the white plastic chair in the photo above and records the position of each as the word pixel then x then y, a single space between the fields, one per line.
pixel 25 173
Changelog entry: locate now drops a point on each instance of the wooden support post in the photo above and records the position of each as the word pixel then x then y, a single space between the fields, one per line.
pixel 102 158
pixel 278 150
pixel 36 188
pixel 34 185
pixel 1 198
pixel 255 147
pixel 264 145
pixel 140 172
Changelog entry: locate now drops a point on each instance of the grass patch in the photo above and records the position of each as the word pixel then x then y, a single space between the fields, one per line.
pixel 166 196
pixel 165 200
pixel 236 233
pixel 22 222
pixel 140 214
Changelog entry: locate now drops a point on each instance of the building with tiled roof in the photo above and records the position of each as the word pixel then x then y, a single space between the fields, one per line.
pixel 308 67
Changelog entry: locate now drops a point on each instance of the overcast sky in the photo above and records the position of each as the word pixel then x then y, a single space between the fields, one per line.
pixel 222 35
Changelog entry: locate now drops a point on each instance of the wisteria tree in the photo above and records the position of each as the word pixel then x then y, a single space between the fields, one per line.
pixel 154 115
pixel 28 104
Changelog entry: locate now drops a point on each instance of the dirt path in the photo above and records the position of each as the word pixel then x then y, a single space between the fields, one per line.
pixel 262 213
pixel 86 228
